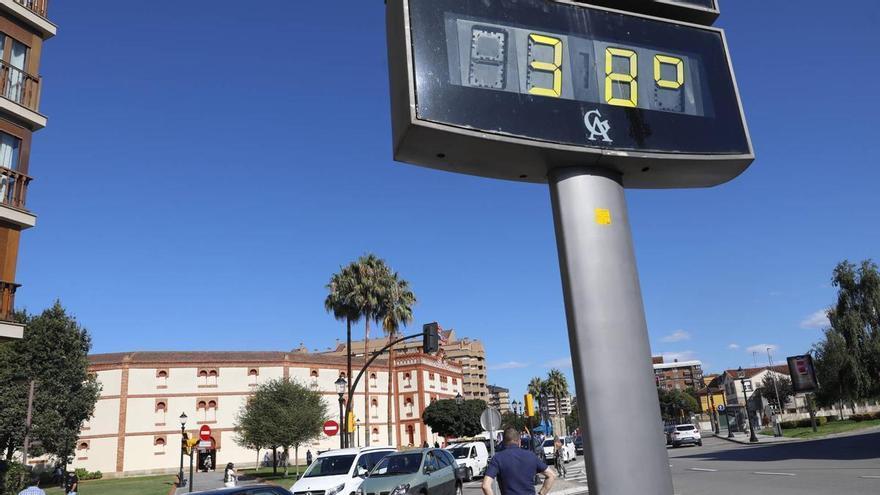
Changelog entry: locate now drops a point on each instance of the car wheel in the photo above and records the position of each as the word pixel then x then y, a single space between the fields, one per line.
pixel 469 475
pixel 700 443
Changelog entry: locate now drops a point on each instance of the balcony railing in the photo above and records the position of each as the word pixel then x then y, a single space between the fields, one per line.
pixel 19 86
pixel 38 7
pixel 13 187
pixel 7 300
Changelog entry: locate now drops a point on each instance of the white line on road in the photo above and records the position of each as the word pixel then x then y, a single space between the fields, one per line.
pixel 773 474
pixel 704 469
pixel 870 477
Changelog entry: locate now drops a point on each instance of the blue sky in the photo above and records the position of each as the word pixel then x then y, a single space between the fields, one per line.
pixel 207 167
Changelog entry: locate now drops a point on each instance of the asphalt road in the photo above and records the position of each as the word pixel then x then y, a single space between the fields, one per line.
pixel 848 465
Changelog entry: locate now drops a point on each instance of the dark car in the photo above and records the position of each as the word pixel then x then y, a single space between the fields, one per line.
pixel 579 445
pixel 248 490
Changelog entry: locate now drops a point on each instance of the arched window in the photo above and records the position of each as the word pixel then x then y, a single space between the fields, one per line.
pixel 342 374
pixel 162 379
pixel 203 377
pixel 253 373
pixel 82 451
pixel 407 380
pixel 375 435
pixel 159 445
pixel 161 412
pixel 373 383
pixel 202 411
pixel 212 377
pixel 212 411
pixel 374 408
pixel 408 406
pixel 314 373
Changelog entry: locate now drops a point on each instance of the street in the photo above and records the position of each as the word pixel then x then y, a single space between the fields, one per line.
pixel 842 465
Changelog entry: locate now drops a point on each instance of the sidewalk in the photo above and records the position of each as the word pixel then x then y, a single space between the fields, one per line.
pixel 210 481
pixel 744 438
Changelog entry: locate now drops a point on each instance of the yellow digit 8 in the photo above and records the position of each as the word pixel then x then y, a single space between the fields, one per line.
pixel 630 78
pixel 659 60
pixel 554 67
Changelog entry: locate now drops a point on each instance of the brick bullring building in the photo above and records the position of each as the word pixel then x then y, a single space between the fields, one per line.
pixel 135 428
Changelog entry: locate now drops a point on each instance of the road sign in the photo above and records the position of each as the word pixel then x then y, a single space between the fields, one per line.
pixel 205 432
pixel 803 374
pixel 490 419
pixel 206 444
pixel 512 90
pixel 331 428
pixel 721 408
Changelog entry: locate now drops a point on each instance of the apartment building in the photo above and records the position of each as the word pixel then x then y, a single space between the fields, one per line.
pixel 469 353
pixel 678 374
pixel 23 28
pixel 136 430
pixel 499 398
pixel 562 409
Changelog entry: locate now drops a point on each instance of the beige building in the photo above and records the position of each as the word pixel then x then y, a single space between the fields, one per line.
pixel 136 430
pixel 469 353
pixel 564 405
pixel 499 398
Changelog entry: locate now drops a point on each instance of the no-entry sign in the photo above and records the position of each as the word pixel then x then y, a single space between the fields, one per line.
pixel 205 432
pixel 331 428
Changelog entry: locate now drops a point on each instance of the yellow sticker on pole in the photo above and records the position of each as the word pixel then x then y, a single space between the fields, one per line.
pixel 603 216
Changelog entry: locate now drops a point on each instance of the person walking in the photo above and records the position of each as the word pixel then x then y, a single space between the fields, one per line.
pixel 515 470
pixel 33 487
pixel 308 458
pixel 229 476
pixel 71 483
pixel 558 459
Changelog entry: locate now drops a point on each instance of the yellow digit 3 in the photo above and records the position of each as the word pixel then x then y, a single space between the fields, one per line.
pixel 554 67
pixel 629 78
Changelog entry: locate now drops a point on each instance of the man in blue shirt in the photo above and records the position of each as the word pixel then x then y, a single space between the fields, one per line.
pixel 515 470
pixel 33 488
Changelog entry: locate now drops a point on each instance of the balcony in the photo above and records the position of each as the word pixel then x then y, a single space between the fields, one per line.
pixel 32 12
pixel 8 328
pixel 21 95
pixel 13 188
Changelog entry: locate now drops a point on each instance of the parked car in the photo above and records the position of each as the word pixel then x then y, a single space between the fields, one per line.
pixel 685 434
pixel 414 472
pixel 339 472
pixel 472 456
pixel 248 490
pixel 568 450
pixel 579 445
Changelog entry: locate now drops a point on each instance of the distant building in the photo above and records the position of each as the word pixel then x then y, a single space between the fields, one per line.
pixel 711 395
pixel 677 375
pixel 469 353
pixel 564 405
pixel 135 427
pixel 499 398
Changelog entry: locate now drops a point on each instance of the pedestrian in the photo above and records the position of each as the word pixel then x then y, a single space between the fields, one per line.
pixel 425 445
pixel 229 475
pixel 266 459
pixel 308 458
pixel 515 470
pixel 208 463
pixel 71 484
pixel 33 487
pixel 58 476
pixel 436 444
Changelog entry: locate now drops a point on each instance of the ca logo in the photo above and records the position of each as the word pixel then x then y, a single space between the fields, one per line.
pixel 596 126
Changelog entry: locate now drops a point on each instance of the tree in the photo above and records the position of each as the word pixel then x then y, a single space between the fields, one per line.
pixel 281 413
pixel 451 420
pixel 848 358
pixel 340 302
pixel 676 404
pixel 511 420
pixel 536 386
pixel 572 421
pixel 557 386
pixel 396 311
pixel 768 389
pixel 53 353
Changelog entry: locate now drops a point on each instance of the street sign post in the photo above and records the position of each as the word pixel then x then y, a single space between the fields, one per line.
pixel 588 100
pixel 205 433
pixel 331 428
pixel 490 420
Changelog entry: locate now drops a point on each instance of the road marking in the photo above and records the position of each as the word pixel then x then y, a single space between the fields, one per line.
pixel 870 477
pixel 773 474
pixel 704 469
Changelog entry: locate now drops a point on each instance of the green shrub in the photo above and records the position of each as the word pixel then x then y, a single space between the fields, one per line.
pixel 876 415
pixel 822 420
pixel 861 417
pixel 84 474
pixel 11 476
pixel 787 425
pixel 831 419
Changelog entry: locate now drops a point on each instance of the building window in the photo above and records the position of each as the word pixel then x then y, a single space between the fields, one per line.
pixel 253 373
pixel 373 383
pixel 444 383
pixel 207 378
pixel 159 445
pixel 375 435
pixel 161 410
pixel 10 192
pixel 408 406
pixel 342 374
pixel 16 59
pixel 212 378
pixel 313 373
pixel 202 411
pixel 455 381
pixel 374 408
pixel 162 379
pixel 82 450
pixel 212 410
pixel 407 380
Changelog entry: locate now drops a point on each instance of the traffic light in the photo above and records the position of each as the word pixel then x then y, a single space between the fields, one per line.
pixel 192 442
pixel 350 422
pixel 183 447
pixel 529 402
pixel 431 337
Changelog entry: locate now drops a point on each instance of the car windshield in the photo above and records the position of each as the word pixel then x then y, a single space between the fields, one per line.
pixel 685 428
pixel 333 465
pixel 548 443
pixel 460 452
pixel 397 464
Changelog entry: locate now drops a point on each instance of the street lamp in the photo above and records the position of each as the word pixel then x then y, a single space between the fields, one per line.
pixel 742 381
pixel 340 389
pixel 358 431
pixel 180 481
pixel 459 399
pixel 515 405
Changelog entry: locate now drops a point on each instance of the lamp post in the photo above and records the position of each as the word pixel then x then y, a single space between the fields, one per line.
pixel 742 381
pixel 180 481
pixel 459 399
pixel 340 389
pixel 515 405
pixel 358 431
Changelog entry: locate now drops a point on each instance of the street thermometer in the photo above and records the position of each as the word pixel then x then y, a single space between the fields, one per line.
pixel 590 100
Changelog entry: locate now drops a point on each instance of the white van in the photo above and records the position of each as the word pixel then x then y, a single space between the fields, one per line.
pixel 339 472
pixel 472 456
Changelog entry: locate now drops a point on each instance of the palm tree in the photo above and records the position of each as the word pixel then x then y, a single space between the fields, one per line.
pixel 557 386
pixel 536 386
pixel 396 312
pixel 340 302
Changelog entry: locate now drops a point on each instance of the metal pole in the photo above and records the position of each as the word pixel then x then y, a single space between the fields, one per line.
pixel 777 428
pixel 341 429
pixel 608 335
pixel 191 454
pixel 27 426
pixel 180 480
pixel 752 438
